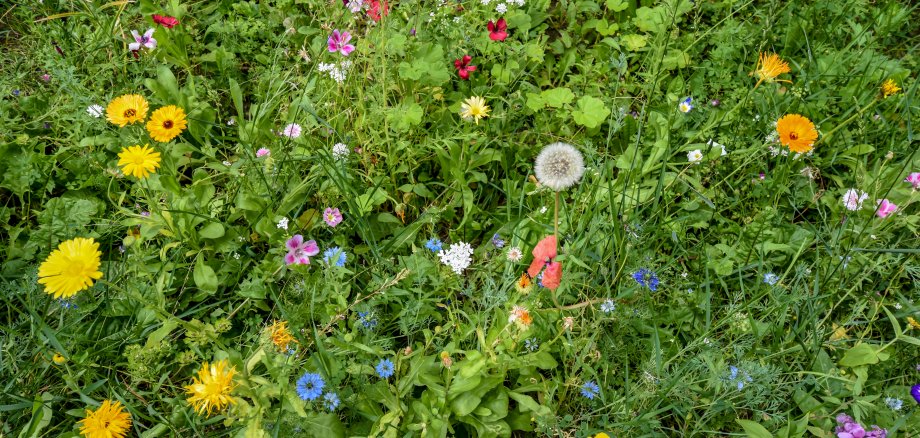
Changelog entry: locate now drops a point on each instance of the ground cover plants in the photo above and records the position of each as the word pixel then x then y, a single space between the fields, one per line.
pixel 408 218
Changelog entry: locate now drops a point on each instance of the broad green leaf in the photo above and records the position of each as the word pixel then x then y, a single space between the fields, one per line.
pixel 204 276
pixel 212 230
pixel 557 97
pixel 753 429
pixel 590 112
pixel 860 354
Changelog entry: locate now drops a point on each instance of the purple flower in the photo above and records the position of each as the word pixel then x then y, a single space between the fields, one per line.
pixel 146 40
pixel 292 130
pixel 915 392
pixel 46 77
pixel 338 42
pixel 262 152
pixel 332 216
pixel 299 252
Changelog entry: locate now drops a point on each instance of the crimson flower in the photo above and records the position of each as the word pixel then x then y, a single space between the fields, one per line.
pixel 463 67
pixel 498 30
pixel 165 21
pixel 375 10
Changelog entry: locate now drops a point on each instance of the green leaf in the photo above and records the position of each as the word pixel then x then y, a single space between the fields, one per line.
pixel 204 276
pixel 617 5
pixel 557 97
pixel 860 354
pixel 590 112
pixel 237 96
pixel 212 230
pixel 405 116
pixel 41 416
pixel 634 42
pixel 753 429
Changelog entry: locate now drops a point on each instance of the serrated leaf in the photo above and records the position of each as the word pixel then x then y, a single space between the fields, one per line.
pixel 590 112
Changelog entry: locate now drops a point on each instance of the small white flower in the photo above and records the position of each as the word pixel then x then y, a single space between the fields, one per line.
pixel 514 254
pixel 456 19
pixel 283 223
pixel 684 274
pixel 355 5
pixel 608 306
pixel 227 163
pixel 685 105
pixel 292 130
pixel 485 2
pixel 95 110
pixel 458 256
pixel 695 156
pixel 236 255
pixel 897 306
pixel 853 199
pixel 501 8
pixel 231 121
pixel 543 209
pixel 340 151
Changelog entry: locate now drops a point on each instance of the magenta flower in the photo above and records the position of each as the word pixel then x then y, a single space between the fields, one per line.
pixel 146 40
pixel 885 208
pixel 914 180
pixel 332 216
pixel 263 152
pixel 338 42
pixel 299 252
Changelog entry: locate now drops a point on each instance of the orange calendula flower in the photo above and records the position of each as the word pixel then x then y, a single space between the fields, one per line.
pixel 127 109
pixel 281 335
pixel 166 123
pixel 769 67
pixel 524 284
pixel 890 87
pixel 797 133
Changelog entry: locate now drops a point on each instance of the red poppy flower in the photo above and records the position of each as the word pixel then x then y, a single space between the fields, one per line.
pixel 552 276
pixel 498 31
pixel 165 21
pixel 375 9
pixel 463 67
pixel 544 252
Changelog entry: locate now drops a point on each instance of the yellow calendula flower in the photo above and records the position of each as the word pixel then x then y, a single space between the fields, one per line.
pixel 769 67
pixel 602 435
pixel 797 133
pixel 211 390
pixel 474 108
pixel 127 109
pixel 58 359
pixel 913 323
pixel 281 335
pixel 840 332
pixel 109 421
pixel 71 268
pixel 166 123
pixel 139 161
pixel 890 87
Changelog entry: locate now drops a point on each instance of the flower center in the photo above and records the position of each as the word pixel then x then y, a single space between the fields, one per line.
pixel 168 124
pixel 793 136
pixel 130 112
pixel 75 268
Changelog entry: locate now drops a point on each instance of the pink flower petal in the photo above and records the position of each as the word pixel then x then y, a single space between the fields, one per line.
pixel 348 48
pixel 294 243
pixel 289 258
pixel 310 248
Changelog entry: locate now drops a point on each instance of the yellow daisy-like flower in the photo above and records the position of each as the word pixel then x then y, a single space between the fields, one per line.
pixel 166 123
pixel 70 268
pixel 602 435
pixel 210 391
pixel 58 359
pixel 797 133
pixel 524 284
pixel 127 109
pixel 913 322
pixel 474 108
pixel 281 335
pixel 890 87
pixel 769 67
pixel 109 421
pixel 139 161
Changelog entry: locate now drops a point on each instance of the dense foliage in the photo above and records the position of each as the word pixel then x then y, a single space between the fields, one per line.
pixel 330 233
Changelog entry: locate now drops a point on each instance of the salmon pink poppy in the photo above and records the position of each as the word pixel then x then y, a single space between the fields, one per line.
pixel 165 21
pixel 498 30
pixel 463 67
pixel 552 276
pixel 543 253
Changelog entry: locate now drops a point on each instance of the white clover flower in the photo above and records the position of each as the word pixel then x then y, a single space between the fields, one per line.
pixel 501 8
pixel 559 166
pixel 514 254
pixel 458 256
pixel 853 199
pixel 695 156
pixel 95 110
pixel 283 223
pixel 340 151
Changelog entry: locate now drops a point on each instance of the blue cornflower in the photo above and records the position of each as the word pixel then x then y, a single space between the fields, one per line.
pixel 385 368
pixel 310 386
pixel 497 241
pixel 590 390
pixel 646 278
pixel 738 377
pixel 335 256
pixel 15 92
pixel 608 306
pixel 770 278
pixel 532 344
pixel 367 319
pixel 66 304
pixel 433 244
pixel 331 401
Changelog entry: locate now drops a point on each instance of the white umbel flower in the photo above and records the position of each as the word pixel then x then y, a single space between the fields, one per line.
pixel 339 151
pixel 95 110
pixel 458 256
pixel 559 166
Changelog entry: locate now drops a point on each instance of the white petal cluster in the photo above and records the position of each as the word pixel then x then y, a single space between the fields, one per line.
pixel 458 256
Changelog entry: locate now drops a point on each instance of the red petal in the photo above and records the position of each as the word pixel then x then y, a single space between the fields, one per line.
pixel 502 24
pixel 467 59
pixel 552 276
pixel 544 251
pixel 490 26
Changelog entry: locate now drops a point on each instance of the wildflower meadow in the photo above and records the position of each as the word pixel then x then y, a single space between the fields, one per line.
pixel 459 218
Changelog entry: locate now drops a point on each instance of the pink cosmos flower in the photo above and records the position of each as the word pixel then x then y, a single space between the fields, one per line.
pixel 332 216
pixel 292 130
pixel 914 180
pixel 338 42
pixel 263 152
pixel 299 252
pixel 143 41
pixel 885 208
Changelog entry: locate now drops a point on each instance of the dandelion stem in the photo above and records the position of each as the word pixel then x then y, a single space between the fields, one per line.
pixel 556 235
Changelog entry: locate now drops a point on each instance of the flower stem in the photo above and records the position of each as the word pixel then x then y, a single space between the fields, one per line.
pixel 556 235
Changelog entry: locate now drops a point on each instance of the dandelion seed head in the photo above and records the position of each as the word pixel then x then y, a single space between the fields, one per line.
pixel 559 166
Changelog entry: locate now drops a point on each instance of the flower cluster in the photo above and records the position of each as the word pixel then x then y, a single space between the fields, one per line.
pixel 849 428
pixel 458 256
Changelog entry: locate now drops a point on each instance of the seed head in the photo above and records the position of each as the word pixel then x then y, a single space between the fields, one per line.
pixel 559 166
